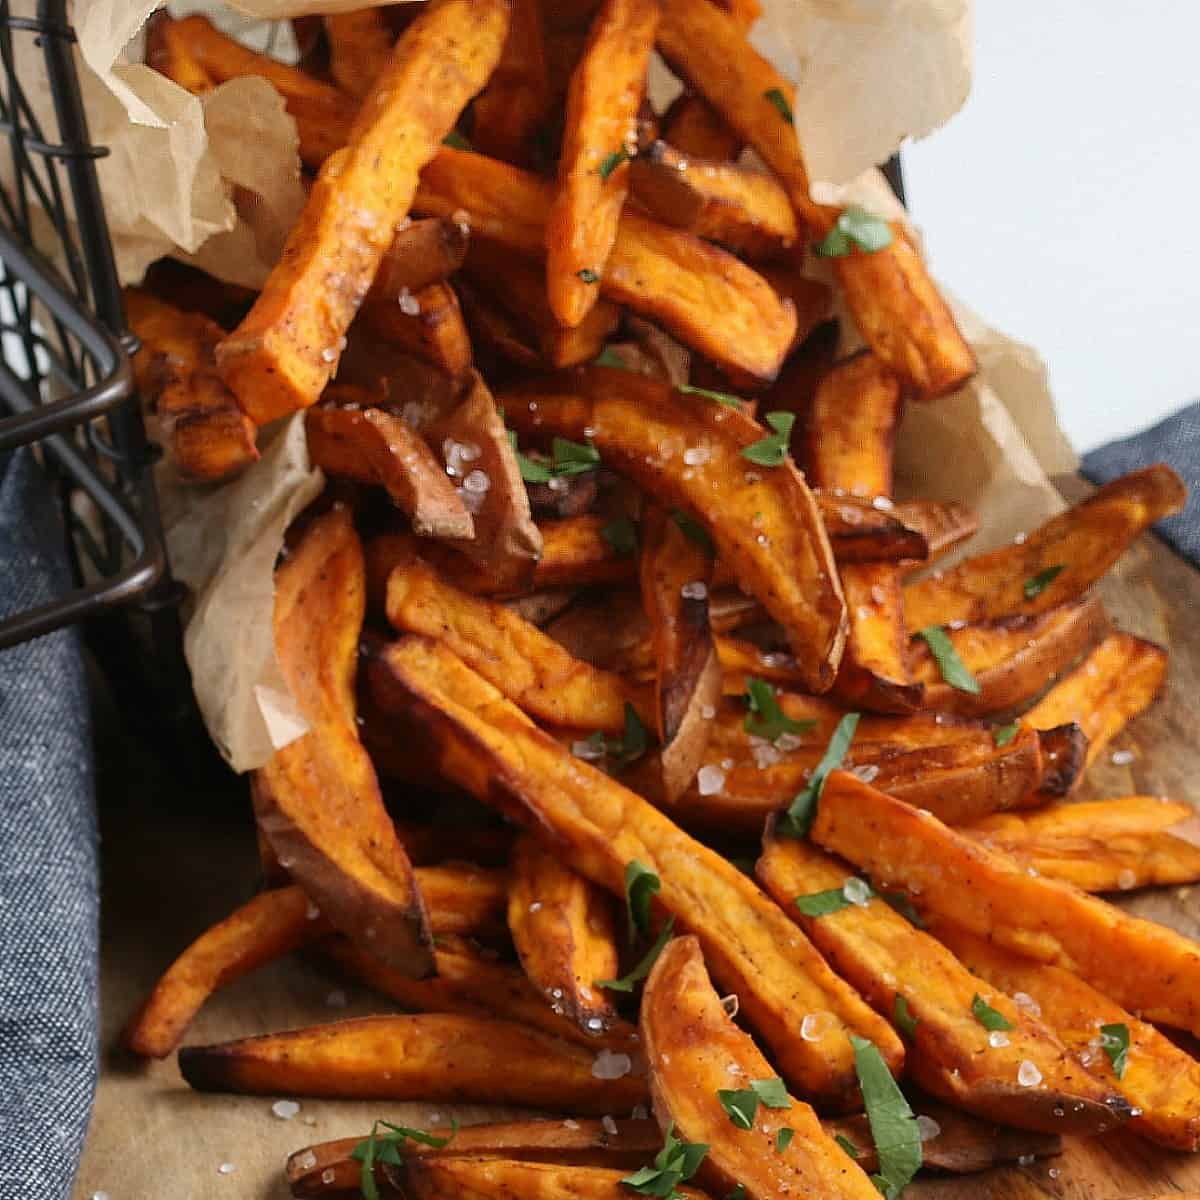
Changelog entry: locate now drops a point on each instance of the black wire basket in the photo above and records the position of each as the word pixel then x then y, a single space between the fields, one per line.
pixel 66 385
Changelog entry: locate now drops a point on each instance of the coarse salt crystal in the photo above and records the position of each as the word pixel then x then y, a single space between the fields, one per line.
pixel 610 1064
pixel 730 1004
pixel 587 750
pixel 997 1039
pixel 558 484
pixel 570 1123
pixel 536 906
pixel 1020 539
pixel 410 306
pixel 1126 879
pixel 696 590
pixel 328 1175
pixel 329 354
pixel 857 891
pixel 882 503
pixel 1026 1160
pixel 765 755
pixel 227 1168
pixel 594 1024
pixel 709 780
pixel 312 912
pixel 477 481
pixel 1028 1003
pixel 1122 758
pixel 285 1110
pixel 99 1196
pixel 865 771
pixel 306 1161
pixel 928 1128
pixel 696 456
pixel 640 1113
pixel 1054 1172
pixel 610 1126
pixel 708 712
pixel 1028 1075
pixel 815 1025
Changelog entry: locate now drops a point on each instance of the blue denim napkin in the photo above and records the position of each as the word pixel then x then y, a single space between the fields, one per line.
pixel 1175 441
pixel 49 900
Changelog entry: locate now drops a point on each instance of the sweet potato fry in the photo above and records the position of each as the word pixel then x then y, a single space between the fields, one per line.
pixel 349 438
pixel 1012 659
pixel 425 1056
pixel 739 207
pixel 199 420
pixel 874 673
pixel 1057 562
pixel 1103 846
pixel 861 532
pixel 284 352
pixel 170 55
pixel 497 1179
pixel 599 134
pixel 1158 1079
pixel 1144 967
pixel 896 305
pixel 695 1051
pixel 271 925
pixel 812 300
pixel 1064 757
pixel 1114 683
pixel 692 126
pixel 763 522
pixel 317 800
pixel 507 113
pixel 397 381
pixel 423 252
pixel 687 675
pixel 943 525
pixel 529 667
pixel 951 1054
pixel 324 114
pixel 664 274
pixel 487 746
pixel 464 899
pixel 473 433
pixel 565 933
pixel 360 43
pixel 540 608
pixel 428 323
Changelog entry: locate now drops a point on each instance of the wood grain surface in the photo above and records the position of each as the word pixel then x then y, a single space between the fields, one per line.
pixel 178 854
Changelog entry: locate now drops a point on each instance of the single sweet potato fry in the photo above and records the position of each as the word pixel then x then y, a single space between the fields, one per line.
pixel 951 1053
pixel 1012 659
pixel 426 1056
pixel 360 43
pixel 692 126
pixel 1144 967
pixel 664 274
pixel 282 355
pixel 763 520
pixel 425 251
pixel 529 667
pixel 324 114
pixel 464 899
pixel 507 113
pixel 675 574
pixel 1102 846
pixel 487 746
pixel 347 437
pixel 695 1051
pixel 199 419
pixel 170 55
pixel 428 323
pixel 565 933
pixel 943 525
pixel 1064 759
pixel 585 1143
pixel 1158 1079
pixel 1057 562
pixel 861 532
pixel 317 800
pixel 739 207
pixel 497 1179
pixel 599 134
pixel 1114 683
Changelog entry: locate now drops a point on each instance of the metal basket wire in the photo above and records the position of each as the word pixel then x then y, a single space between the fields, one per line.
pixel 66 385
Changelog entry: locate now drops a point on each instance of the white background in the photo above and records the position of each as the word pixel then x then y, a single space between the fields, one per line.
pixel 1063 202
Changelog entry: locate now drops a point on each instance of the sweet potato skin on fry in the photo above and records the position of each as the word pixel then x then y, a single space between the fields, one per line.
pixel 1159 1080
pixel 446 1178
pixel 1114 683
pixel 428 1056
pixel 1144 967
pixel 374 446
pixel 694 1050
pixel 488 747
pixel 528 666
pixel 565 933
pixel 691 125
pixel 508 111
pixel 423 252
pixel 602 103
pixel 284 352
pixel 431 327
pixel 950 1052
pixel 1102 846
pixel 1084 542
pixel 763 520
pixel 317 800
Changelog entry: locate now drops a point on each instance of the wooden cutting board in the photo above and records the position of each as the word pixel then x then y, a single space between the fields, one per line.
pixel 177 857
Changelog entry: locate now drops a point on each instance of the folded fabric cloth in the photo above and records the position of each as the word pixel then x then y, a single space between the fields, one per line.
pixel 49 900
pixel 1175 441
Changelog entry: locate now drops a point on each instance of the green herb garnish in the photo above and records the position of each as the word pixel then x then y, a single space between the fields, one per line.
pixel 640 884
pixel 893 1126
pixel 692 528
pixel 899 902
pixel 821 904
pixel 608 357
pixel 783 1139
pixel 622 536
pixel 772 450
pixel 456 141
pixel 612 161
pixel 1114 1041
pixel 675 1163
pixel 847 1145
pixel 1005 733
pixel 987 1016
pixel 740 1106
pixel 798 819
pixel 573 458
pixel 720 397
pixel 386 1148
pixel 903 1019
pixel 776 97
pixel 954 670
pixel 588 275
pixel 1035 585
pixel 738 1193
pixel 854 227
pixel 627 982
pixel 766 719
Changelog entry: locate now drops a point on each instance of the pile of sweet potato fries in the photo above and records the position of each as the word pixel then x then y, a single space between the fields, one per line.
pixel 647 767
